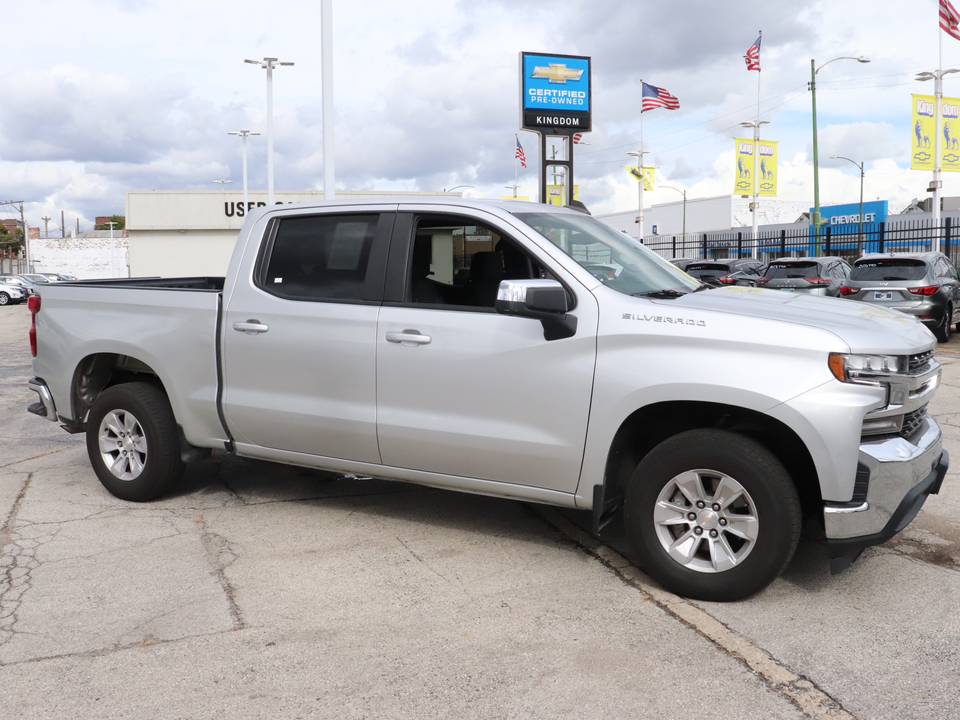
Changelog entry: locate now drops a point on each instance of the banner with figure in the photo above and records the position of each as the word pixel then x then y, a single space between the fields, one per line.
pixel 950 137
pixel 760 172
pixel 766 173
pixel 647 176
pixel 924 133
pixel 743 184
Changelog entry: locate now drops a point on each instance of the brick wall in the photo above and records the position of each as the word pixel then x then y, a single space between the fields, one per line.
pixel 85 258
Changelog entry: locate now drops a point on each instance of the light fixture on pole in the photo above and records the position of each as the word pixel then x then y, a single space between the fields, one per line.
pixel 244 134
pixel 937 77
pixel 816 169
pixel 860 232
pixel 684 193
pixel 269 64
pixel 221 183
pixel 457 186
pixel 639 155
pixel 755 124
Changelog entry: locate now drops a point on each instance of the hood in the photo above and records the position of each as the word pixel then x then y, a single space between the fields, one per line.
pixel 864 327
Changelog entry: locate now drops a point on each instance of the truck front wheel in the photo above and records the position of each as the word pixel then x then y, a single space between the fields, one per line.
pixel 132 442
pixel 712 515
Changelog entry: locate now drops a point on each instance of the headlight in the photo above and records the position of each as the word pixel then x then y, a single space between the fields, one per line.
pixel 865 368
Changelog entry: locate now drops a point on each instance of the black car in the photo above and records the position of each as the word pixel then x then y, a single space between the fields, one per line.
pixel 924 285
pixel 712 272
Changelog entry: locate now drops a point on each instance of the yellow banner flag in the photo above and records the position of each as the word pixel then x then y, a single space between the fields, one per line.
pixel 924 132
pixel 743 184
pixel 646 174
pixel 557 194
pixel 950 143
pixel 767 175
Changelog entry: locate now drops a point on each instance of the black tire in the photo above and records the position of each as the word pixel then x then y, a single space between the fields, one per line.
pixel 944 329
pixel 768 509
pixel 145 463
pixel 4 298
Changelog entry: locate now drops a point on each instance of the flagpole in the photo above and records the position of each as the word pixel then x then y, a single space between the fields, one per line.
pixel 756 180
pixel 516 169
pixel 640 165
pixel 937 115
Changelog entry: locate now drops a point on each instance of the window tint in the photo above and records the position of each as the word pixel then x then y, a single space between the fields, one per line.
pixel 793 270
pixel 320 257
pixel 457 261
pixel 892 269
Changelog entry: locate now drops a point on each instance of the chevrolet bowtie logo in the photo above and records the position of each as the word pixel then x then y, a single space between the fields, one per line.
pixel 558 73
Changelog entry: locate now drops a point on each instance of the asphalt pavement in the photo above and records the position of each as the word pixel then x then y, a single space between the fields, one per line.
pixel 266 591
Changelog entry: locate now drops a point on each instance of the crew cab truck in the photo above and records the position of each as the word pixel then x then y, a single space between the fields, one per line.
pixel 470 346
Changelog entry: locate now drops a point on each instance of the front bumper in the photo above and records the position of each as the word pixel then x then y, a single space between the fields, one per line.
pixel 897 475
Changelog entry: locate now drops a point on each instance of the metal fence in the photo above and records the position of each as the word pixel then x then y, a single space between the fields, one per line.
pixel 12 266
pixel 846 241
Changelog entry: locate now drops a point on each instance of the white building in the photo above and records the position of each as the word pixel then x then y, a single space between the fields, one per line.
pixel 89 255
pixel 724 212
pixel 183 234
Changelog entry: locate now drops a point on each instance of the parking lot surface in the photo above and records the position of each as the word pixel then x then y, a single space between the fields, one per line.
pixel 260 590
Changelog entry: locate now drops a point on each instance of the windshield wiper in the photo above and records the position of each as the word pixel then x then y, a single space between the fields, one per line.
pixel 666 294
pixel 705 287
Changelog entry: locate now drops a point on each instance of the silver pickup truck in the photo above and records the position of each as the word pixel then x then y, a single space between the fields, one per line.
pixel 513 350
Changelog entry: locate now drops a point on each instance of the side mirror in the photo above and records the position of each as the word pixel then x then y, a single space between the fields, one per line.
pixel 543 300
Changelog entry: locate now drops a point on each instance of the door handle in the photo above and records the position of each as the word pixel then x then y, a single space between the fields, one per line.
pixel 408 338
pixel 251 327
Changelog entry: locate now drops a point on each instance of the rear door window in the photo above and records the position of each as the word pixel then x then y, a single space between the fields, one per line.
pixel 321 257
pixel 892 269
pixel 784 270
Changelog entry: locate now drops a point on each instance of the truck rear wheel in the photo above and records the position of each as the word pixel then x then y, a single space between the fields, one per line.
pixel 713 515
pixel 132 442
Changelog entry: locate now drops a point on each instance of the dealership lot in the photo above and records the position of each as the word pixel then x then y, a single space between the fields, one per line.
pixel 261 590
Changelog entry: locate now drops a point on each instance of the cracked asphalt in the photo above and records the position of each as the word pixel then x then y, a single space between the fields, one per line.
pixel 266 591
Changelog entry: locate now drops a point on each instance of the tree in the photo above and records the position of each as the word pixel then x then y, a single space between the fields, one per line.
pixel 120 220
pixel 11 242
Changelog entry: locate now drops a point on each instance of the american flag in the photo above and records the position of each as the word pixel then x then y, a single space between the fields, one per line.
pixel 654 97
pixel 519 154
pixel 577 137
pixel 949 19
pixel 753 55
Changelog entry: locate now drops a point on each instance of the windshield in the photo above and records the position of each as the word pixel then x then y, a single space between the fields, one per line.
pixel 898 269
pixel 793 270
pixel 591 243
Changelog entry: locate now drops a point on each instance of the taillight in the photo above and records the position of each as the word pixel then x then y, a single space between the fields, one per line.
pixel 849 290
pixel 727 280
pixel 33 303
pixel 818 281
pixel 762 281
pixel 929 290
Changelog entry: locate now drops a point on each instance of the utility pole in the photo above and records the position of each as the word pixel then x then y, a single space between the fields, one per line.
pixel 46 226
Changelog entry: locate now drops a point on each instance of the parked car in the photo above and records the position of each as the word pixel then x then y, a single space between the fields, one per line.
pixel 924 285
pixel 38 278
pixel 340 339
pixel 808 275
pixel 29 286
pixel 683 262
pixel 11 293
pixel 711 271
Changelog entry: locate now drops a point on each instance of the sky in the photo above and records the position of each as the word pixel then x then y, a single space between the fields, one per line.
pixel 100 97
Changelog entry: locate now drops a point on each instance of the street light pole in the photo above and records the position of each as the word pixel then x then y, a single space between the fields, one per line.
pixel 244 134
pixel 860 236
pixel 755 124
pixel 269 64
pixel 816 166
pixel 684 193
pixel 937 77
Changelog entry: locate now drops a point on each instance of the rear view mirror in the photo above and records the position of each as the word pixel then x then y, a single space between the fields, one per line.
pixel 543 300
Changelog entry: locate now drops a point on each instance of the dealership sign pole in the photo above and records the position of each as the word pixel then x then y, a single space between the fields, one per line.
pixel 555 99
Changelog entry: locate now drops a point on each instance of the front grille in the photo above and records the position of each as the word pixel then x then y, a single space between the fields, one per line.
pixel 912 421
pixel 919 362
